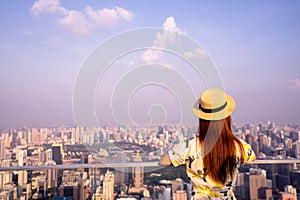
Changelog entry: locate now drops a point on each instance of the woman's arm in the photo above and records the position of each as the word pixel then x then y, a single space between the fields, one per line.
pixel 165 160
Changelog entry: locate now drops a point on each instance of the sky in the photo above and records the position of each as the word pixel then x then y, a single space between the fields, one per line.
pixel 43 45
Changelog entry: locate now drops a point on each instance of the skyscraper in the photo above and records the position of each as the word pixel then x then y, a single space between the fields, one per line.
pixel 297 149
pixel 108 185
pixel 57 153
pixel 180 195
pixel 22 156
pixel 138 172
pixel 2 150
pixel 257 180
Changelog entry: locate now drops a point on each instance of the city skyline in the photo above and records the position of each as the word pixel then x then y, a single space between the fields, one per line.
pixel 113 162
pixel 44 43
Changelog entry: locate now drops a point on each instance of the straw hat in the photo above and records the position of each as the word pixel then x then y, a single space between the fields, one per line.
pixel 214 104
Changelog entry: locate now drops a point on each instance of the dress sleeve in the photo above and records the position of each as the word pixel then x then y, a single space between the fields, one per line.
pixel 249 153
pixel 180 152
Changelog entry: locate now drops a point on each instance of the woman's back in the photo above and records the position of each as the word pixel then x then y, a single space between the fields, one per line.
pixel 213 156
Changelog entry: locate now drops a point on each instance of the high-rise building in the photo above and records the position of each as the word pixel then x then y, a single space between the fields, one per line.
pixel 42 156
pixel 138 172
pixel 256 181
pixel 179 195
pixel 69 190
pixel 177 185
pixel 13 138
pixel 22 157
pixel 290 193
pixel 108 185
pixel 2 149
pixel 296 179
pixel 252 185
pixel 121 174
pixel 98 195
pixel 57 153
pixel 297 149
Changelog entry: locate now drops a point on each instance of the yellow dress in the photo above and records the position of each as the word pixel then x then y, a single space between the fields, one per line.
pixel 204 187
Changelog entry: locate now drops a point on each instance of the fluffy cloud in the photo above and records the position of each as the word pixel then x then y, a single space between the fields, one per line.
pixel 46 6
pixel 168 35
pixel 82 22
pixel 109 17
pixel 197 53
pixel 76 22
pixel 293 84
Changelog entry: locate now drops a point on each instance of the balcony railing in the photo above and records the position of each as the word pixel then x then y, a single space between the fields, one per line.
pixel 127 164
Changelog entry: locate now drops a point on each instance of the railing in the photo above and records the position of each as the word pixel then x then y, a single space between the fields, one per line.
pixel 127 164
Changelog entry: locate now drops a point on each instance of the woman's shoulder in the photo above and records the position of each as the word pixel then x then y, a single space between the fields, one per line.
pixel 249 154
pixel 245 144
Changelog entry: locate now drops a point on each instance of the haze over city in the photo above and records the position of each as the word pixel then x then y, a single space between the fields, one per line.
pixel 43 44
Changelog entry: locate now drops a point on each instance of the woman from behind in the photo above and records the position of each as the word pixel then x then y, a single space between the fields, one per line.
pixel 213 156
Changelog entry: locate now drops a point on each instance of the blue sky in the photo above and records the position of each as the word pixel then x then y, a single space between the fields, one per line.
pixel 255 46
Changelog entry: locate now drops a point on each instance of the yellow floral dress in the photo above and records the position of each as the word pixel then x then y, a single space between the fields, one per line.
pixel 204 187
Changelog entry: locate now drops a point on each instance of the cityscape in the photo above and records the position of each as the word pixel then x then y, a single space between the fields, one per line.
pixel 66 64
pixel 65 146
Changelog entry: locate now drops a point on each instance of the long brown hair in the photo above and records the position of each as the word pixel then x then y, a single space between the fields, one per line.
pixel 220 157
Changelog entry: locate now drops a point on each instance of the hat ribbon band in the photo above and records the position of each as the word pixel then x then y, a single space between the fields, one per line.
pixel 214 109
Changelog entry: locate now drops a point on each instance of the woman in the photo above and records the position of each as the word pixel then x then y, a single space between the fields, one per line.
pixel 213 157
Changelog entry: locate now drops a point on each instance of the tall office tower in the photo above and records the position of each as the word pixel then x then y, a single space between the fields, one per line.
pixel 160 130
pixel 48 155
pixel 6 177
pixel 22 175
pixel 29 138
pixel 257 180
pixel 42 156
pixel 51 175
pixel 138 172
pixel 287 196
pixel 36 137
pixel 296 179
pixel 21 139
pixel 13 138
pixel 121 173
pixel 262 141
pixel 189 190
pixel 2 179
pixel 2 150
pixel 69 191
pixel 242 186
pixel 290 193
pixel 252 185
pixel 177 185
pixel 180 195
pixel 57 153
pixel 288 143
pixel 108 185
pixel 73 132
pixel 255 147
pixel 117 136
pixel 166 194
pixel 297 149
pixel 98 195
pixel 28 191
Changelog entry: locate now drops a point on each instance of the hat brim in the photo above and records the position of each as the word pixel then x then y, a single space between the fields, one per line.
pixel 215 115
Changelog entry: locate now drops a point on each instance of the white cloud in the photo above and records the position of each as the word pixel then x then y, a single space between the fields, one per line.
pixel 197 53
pixel 293 84
pixel 46 6
pixel 109 17
pixel 168 35
pixel 82 22
pixel 76 22
pixel 152 55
